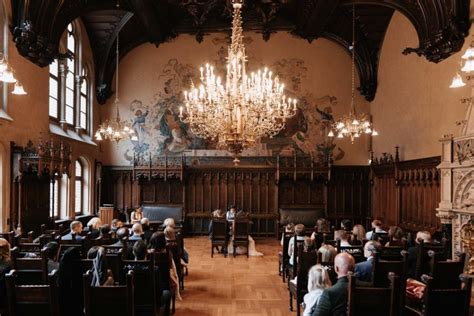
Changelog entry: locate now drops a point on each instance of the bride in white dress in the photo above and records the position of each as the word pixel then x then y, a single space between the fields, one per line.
pixel 230 216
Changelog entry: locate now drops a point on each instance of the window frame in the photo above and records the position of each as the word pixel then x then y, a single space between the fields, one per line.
pixel 58 93
pixel 79 179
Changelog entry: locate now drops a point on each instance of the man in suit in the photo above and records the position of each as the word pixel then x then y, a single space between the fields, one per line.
pixel 147 231
pixel 363 270
pixel 121 234
pixel 75 233
pixel 333 301
pixel 424 236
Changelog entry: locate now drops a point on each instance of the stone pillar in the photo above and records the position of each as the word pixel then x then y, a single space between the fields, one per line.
pixel 77 102
pixel 63 69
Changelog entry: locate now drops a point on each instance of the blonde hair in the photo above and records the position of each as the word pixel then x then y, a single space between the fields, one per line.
pixel 170 233
pixel 4 250
pixel 359 231
pixel 94 223
pixel 322 225
pixel 318 278
pixel 423 235
pixel 169 222
pixel 308 244
pixel 340 235
pixel 299 229
pixel 328 253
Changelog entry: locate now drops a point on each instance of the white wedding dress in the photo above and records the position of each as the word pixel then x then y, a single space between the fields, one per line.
pixel 241 250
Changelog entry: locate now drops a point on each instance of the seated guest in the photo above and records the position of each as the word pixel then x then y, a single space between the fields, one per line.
pixel 363 270
pixel 358 235
pixel 51 251
pixel 105 232
pixel 230 215
pixel 333 301
pixel 318 281
pixel 137 232
pixel 136 216
pixel 421 236
pixel 289 229
pixel 299 232
pixel 147 232
pixel 170 235
pixel 116 224
pixel 308 244
pixel 342 236
pixel 169 222
pixel 101 276
pixel 139 250
pixel 376 227
pixel 5 267
pixel 93 227
pixel 121 234
pixel 328 253
pixel 75 233
pixel 71 299
pixel 346 224
pixel 396 237
pixel 322 226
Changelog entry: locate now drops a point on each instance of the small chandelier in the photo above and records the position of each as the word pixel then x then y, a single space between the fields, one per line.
pixel 467 67
pixel 115 129
pixel 6 75
pixel 242 109
pixel 352 125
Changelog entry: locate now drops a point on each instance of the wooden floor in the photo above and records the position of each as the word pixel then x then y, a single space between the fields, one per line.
pixel 233 286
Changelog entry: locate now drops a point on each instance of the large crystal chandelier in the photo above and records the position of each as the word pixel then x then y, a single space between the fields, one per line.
pixel 116 129
pixel 352 125
pixel 242 109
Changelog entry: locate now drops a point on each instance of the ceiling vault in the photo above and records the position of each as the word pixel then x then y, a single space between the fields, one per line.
pixel 37 26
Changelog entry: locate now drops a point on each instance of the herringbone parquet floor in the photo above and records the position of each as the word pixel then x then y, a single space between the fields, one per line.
pixel 233 286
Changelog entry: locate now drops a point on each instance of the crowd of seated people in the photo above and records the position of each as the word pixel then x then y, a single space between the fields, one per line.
pixel 327 292
pixel 140 242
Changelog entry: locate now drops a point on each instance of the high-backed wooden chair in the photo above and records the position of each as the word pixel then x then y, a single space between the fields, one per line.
pixel 145 300
pixel 293 269
pixel 283 258
pixel 382 268
pixel 20 239
pixel 114 255
pixel 109 300
pixel 64 246
pixel 219 234
pixel 356 251
pixel 30 270
pixel 241 232
pixel 437 250
pixel 449 301
pixel 391 253
pixel 305 261
pixel 445 274
pixel 162 261
pixel 177 255
pixel 373 301
pixel 9 236
pixel 38 300
pixel 382 238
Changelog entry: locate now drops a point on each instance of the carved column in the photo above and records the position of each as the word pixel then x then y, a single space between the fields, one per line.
pixel 63 69
pixel 77 101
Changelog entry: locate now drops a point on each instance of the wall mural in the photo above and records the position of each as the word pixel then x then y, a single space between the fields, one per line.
pixel 161 132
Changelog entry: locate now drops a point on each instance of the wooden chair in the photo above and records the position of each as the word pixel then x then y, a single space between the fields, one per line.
pixel 382 238
pixel 449 301
pixel 162 261
pixel 293 269
pixel 64 246
pixel 391 253
pixel 305 261
pixel 109 300
pixel 145 300
pixel 219 234
pixel 356 251
pixel 382 268
pixel 373 301
pixel 19 239
pixel 30 270
pixel 445 274
pixel 177 255
pixel 39 300
pixel 241 232
pixel 283 258
pixel 438 250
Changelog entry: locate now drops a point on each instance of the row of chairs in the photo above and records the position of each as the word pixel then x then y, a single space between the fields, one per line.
pixel 221 229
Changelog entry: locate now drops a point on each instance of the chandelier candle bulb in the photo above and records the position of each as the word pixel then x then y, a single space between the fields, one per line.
pixel 468 66
pixel 469 54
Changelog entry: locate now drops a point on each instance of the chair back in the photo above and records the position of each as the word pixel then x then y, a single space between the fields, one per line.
pixel 9 236
pixel 40 300
pixel 109 300
pixel 241 229
pixel 29 247
pixel 305 261
pixel 64 247
pixel 446 273
pixel 391 253
pixel 284 250
pixel 373 301
pixel 438 250
pixel 144 281
pixel 162 261
pixel 296 245
pixel 219 229
pixel 356 251
pixel 30 270
pixel 382 238
pixel 86 265
pixel 449 301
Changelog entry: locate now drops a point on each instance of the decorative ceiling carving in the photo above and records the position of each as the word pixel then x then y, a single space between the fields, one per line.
pixel 37 26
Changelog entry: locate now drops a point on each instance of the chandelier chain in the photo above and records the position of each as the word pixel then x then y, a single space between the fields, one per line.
pixel 353 59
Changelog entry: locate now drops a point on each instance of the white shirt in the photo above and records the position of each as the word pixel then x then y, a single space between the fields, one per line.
pixel 368 235
pixel 311 299
pixel 291 246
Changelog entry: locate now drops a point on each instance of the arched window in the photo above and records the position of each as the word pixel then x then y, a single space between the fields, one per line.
pixel 71 50
pixel 54 198
pixel 85 103
pixel 79 193
pixel 54 90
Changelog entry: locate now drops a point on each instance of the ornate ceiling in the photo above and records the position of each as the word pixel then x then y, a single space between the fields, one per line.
pixel 37 26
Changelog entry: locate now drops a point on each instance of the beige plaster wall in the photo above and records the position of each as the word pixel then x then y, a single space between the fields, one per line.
pixel 31 121
pixel 311 72
pixel 414 105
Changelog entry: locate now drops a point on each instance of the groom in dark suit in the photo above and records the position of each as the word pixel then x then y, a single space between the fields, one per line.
pixel 363 270
pixel 333 301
